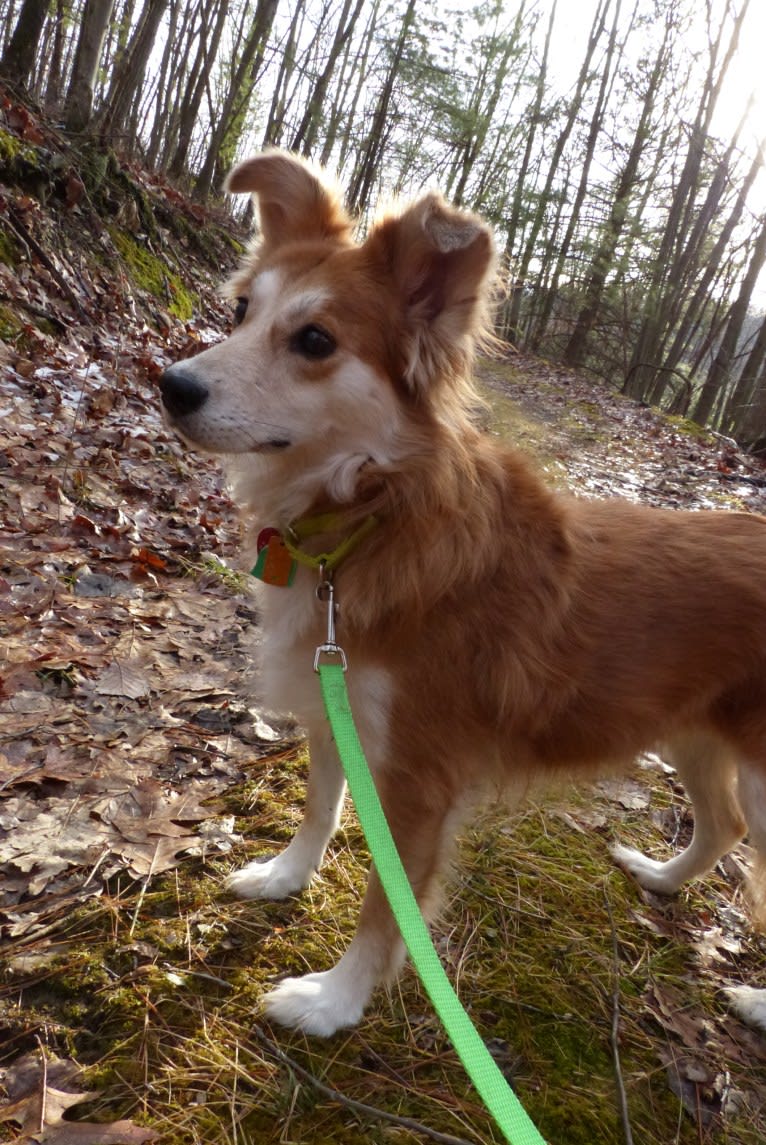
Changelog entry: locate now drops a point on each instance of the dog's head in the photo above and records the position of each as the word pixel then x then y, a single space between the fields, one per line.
pixel 339 344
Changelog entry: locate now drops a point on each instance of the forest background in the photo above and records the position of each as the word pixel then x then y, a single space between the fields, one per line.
pixel 619 154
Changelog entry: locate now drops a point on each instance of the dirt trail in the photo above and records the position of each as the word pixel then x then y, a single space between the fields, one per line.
pixel 599 443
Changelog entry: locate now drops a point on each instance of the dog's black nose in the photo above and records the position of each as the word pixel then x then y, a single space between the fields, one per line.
pixel 181 392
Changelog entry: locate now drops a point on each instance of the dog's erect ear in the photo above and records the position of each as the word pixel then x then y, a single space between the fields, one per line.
pixel 293 202
pixel 442 263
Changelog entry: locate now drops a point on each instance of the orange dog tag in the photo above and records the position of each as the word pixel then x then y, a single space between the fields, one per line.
pixel 274 566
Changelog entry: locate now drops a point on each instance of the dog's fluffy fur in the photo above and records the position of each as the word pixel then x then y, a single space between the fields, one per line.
pixel 495 632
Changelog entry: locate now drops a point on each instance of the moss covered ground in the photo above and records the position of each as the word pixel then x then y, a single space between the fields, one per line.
pixel 547 943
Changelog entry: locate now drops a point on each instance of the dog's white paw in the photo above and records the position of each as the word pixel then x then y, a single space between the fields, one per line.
pixel 269 879
pixel 317 1004
pixel 749 1004
pixel 651 874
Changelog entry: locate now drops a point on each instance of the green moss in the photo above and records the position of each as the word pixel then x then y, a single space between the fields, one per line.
pixel 13 149
pixel 9 250
pixel 151 274
pixel 506 418
pixel 11 326
pixel 165 991
pixel 686 426
pixel 96 166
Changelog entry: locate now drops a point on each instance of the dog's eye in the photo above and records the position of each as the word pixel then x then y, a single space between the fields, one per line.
pixel 240 310
pixel 313 342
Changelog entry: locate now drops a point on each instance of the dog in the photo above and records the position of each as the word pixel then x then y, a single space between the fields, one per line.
pixel 496 632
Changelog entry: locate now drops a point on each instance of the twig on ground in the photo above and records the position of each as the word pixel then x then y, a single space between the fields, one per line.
pixel 622 1097
pixel 50 266
pixel 758 482
pixel 44 1061
pixel 360 1107
pixel 144 885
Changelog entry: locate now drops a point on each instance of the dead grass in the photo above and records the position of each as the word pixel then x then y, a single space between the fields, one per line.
pixel 164 1000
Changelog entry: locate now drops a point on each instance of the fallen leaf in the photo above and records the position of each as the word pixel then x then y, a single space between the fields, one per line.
pixel 41 1090
pixel 122 679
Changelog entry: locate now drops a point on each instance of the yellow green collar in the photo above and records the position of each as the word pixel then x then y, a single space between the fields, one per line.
pixel 306 527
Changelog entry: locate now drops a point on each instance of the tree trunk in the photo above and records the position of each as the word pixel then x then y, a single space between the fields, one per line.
pixel 199 78
pixel 713 260
pixel 575 351
pixel 240 91
pixel 746 411
pixel 345 107
pixel 18 60
pixel 275 121
pixel 533 338
pixel 719 372
pixel 521 266
pixel 305 135
pixel 663 290
pixel 56 68
pixel 484 106
pixel 130 72
pixel 368 161
pixel 79 101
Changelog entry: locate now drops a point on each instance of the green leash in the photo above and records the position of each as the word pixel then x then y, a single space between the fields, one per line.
pixel 492 1087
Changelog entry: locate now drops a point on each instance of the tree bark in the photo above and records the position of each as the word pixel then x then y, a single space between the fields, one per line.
pixel 305 135
pixel 18 61
pixel 368 161
pixel 240 90
pixel 575 351
pixel 130 72
pixel 720 371
pixel 199 78
pixel 79 101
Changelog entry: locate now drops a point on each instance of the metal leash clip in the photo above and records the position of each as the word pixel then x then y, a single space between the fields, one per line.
pixel 326 594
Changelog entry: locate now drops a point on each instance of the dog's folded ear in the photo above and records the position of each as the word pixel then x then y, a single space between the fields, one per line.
pixel 294 204
pixel 442 263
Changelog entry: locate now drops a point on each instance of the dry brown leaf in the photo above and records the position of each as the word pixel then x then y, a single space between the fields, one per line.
pixel 41 1090
pixel 122 679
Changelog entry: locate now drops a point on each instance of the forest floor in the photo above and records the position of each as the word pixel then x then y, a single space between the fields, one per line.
pixel 136 770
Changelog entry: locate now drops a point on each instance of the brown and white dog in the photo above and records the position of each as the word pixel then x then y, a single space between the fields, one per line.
pixel 496 633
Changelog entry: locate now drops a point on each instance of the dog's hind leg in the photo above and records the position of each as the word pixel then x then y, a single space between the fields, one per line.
pixel 293 868
pixel 708 772
pixel 752 793
pixel 747 1001
pixel 324 1002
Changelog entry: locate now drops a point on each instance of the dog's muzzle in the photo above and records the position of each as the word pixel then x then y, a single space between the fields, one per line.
pixel 182 393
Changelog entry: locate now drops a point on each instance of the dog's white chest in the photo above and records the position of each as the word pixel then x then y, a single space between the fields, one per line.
pixel 294 624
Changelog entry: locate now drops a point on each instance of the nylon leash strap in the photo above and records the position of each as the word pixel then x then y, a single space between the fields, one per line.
pixel 492 1087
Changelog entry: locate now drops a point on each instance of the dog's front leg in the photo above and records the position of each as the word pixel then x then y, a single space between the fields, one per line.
pixel 293 868
pixel 335 999
pixel 324 1002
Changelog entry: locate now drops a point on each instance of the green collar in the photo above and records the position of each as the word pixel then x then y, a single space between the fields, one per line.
pixel 306 527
